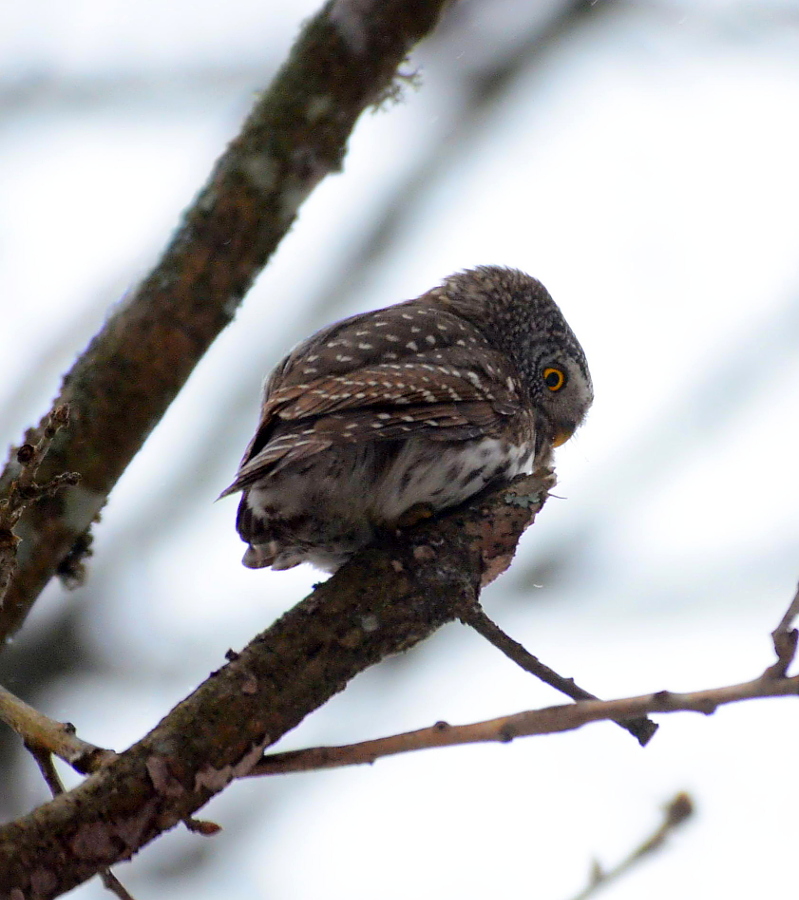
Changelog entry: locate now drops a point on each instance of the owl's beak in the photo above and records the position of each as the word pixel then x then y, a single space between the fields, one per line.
pixel 562 436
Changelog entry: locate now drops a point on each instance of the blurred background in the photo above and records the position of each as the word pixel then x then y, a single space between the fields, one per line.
pixel 641 159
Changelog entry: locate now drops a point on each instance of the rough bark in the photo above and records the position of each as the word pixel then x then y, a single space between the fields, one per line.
pixel 384 601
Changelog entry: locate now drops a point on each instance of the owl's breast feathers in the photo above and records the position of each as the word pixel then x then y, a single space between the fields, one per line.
pixel 411 370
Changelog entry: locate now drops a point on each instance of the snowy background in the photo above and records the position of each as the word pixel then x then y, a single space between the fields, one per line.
pixel 641 159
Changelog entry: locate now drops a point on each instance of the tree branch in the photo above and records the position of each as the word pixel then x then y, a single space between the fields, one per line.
pixel 642 729
pixel 552 720
pixel 385 600
pixel 58 738
pixel 785 638
pixel 679 809
pixel 44 761
pixel 772 683
pixel 343 61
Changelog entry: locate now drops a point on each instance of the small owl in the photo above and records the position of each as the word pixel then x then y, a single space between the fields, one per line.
pixel 404 411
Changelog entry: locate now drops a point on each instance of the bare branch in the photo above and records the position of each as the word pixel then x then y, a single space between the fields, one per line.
pixel 42 733
pixel 551 720
pixel 679 809
pixel 344 60
pixel 642 729
pixel 772 683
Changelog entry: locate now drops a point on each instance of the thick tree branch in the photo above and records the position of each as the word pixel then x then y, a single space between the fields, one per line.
pixel 344 60
pixel 46 766
pixel 385 600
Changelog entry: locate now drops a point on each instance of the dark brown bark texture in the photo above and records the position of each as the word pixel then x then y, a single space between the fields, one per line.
pixel 344 60
pixel 384 601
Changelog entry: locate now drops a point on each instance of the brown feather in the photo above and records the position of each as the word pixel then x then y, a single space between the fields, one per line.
pixel 422 403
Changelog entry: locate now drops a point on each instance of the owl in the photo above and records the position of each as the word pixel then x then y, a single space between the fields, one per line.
pixel 402 412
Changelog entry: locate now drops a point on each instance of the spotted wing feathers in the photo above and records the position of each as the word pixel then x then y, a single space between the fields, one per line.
pixel 392 374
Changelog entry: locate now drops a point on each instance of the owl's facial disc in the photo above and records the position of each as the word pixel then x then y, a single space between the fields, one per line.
pixel 567 396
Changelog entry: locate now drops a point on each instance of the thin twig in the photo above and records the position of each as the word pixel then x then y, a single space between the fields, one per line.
pixel 790 614
pixel 772 683
pixel 24 491
pixel 475 616
pixel 28 458
pixel 785 639
pixel 44 760
pixel 113 884
pixel 552 720
pixel 57 738
pixel 678 810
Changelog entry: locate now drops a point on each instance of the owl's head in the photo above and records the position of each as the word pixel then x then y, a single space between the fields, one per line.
pixel 519 317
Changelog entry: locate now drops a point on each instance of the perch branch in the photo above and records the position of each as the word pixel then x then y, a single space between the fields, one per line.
pixel 344 60
pixel 641 728
pixel 385 600
pixel 44 761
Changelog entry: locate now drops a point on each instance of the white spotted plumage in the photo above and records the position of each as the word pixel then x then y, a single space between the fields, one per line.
pixel 424 402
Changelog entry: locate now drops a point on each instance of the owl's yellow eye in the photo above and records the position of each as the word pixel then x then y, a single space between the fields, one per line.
pixel 554 379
